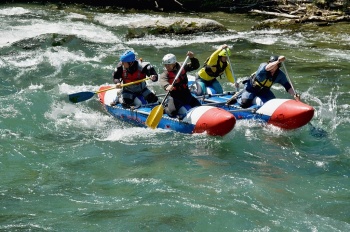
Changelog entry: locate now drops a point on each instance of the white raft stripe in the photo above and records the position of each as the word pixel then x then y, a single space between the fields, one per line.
pixel 196 113
pixel 110 96
pixel 270 107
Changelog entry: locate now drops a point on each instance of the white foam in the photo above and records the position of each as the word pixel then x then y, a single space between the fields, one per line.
pixel 10 111
pixel 129 134
pixel 56 57
pixel 32 28
pixel 13 11
pixel 181 40
pixel 68 115
pixel 68 89
pixel 117 20
pixel 75 16
pixel 35 87
pixel 336 54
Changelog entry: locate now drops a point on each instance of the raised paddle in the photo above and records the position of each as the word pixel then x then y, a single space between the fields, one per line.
pixel 83 96
pixel 290 82
pixel 156 114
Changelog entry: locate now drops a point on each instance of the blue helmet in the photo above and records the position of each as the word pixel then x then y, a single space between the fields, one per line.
pixel 128 56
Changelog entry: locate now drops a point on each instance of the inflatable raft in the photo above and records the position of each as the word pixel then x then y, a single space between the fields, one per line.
pixel 284 113
pixel 202 119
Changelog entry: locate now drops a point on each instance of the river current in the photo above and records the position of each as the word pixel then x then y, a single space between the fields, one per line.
pixel 73 167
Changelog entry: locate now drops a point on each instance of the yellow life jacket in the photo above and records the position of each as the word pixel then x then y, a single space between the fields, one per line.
pixel 265 84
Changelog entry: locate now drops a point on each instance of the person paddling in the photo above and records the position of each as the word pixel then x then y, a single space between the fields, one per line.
pixel 180 94
pixel 259 84
pixel 215 65
pixel 130 70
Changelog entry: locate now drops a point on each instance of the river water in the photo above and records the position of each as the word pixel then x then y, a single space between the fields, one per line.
pixel 73 167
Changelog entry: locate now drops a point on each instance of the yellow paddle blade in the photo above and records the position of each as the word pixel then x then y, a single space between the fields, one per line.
pixel 155 116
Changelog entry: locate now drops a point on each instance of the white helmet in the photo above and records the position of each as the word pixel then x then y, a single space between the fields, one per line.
pixel 169 59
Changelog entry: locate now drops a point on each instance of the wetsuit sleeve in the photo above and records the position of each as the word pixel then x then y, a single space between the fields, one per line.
pixel 287 86
pixel 282 79
pixel 213 59
pixel 193 65
pixel 117 74
pixel 149 70
pixel 164 80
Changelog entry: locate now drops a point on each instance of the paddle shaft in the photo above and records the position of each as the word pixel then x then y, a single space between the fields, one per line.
pixel 215 94
pixel 243 110
pixel 232 111
pixel 290 82
pixel 123 85
pixel 233 75
pixel 83 96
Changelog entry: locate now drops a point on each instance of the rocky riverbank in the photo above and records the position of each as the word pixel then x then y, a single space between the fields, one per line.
pixel 293 16
pixel 274 14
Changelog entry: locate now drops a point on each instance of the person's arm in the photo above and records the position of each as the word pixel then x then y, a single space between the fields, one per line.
pixel 214 57
pixel 117 75
pixel 270 66
pixel 193 64
pixel 294 94
pixel 282 79
pixel 163 80
pixel 151 72
pixel 229 75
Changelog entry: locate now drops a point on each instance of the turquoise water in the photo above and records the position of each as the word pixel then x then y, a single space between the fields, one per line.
pixel 72 167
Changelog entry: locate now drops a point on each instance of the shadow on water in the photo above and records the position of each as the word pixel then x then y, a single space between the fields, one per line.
pixel 316 131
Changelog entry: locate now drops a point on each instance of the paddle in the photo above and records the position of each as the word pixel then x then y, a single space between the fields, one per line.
pixel 317 132
pixel 285 69
pixel 156 114
pixel 233 99
pixel 83 96
pixel 214 104
pixel 233 75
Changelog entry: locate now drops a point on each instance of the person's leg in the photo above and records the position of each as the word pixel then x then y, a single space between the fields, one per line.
pixel 194 102
pixel 200 87
pixel 149 96
pixel 170 109
pixel 246 99
pixel 268 95
pixel 128 99
pixel 217 86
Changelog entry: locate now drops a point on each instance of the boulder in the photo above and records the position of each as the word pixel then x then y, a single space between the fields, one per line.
pixel 173 26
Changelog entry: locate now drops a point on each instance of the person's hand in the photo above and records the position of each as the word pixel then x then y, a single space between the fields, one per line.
pixel 224 46
pixel 190 54
pixel 297 97
pixel 237 85
pixel 118 86
pixel 169 88
pixel 281 59
pixel 153 77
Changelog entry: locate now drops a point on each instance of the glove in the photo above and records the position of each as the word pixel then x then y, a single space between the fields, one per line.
pixel 297 97
pixel 118 86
